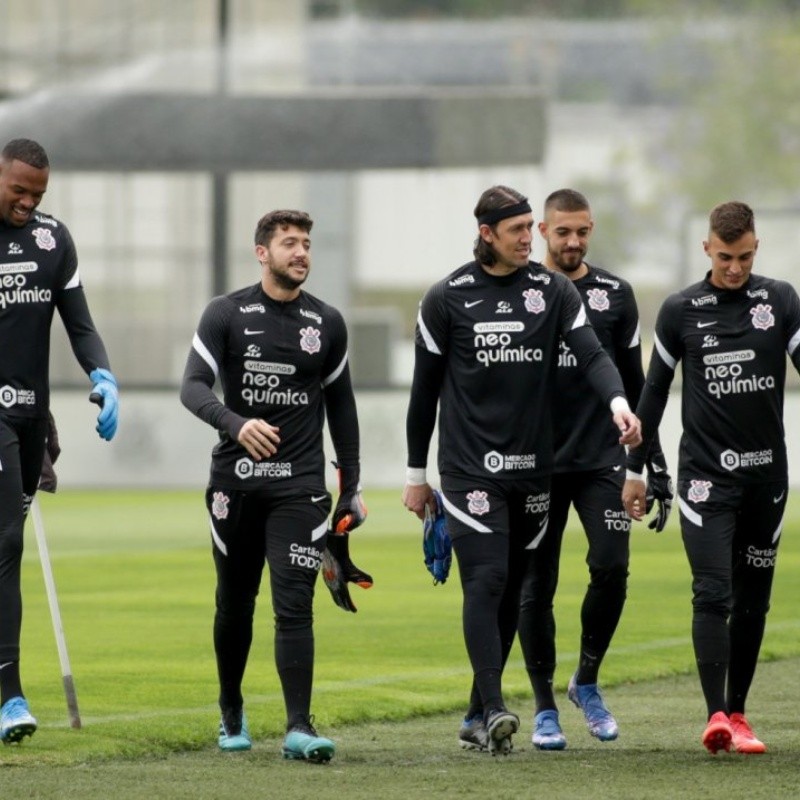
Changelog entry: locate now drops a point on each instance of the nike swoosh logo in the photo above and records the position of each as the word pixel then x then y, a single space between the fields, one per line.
pixel 469 304
pixel 777 499
pixel 317 498
pixel 705 324
pixel 617 468
pixel 248 332
pixel 656 468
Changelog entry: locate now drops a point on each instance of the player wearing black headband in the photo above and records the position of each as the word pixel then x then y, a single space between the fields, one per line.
pixel 487 346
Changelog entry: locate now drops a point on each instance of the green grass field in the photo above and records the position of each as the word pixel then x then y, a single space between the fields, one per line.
pixel 135 583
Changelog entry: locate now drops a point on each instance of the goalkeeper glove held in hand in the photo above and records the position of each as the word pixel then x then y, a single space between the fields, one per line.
pixel 659 492
pixel 350 509
pixel 436 545
pixel 105 394
pixel 338 570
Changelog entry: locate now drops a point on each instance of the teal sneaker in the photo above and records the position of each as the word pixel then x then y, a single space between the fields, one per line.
pixel 547 733
pixel 16 721
pixel 302 742
pixel 599 720
pixel 233 733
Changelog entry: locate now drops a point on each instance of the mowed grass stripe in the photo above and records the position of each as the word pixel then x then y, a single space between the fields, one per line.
pixel 137 600
pixel 658 756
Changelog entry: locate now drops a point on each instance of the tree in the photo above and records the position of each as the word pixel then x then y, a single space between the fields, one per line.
pixel 739 134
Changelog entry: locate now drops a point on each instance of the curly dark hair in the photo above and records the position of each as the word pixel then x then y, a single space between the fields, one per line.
pixel 282 218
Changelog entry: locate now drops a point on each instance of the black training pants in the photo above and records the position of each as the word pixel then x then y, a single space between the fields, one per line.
pixel 288 531
pixel 22 443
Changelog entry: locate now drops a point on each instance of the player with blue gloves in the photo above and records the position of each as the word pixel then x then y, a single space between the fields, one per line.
pixel 40 275
pixel 106 395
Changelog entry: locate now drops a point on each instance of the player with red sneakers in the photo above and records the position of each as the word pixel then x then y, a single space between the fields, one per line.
pixel 731 331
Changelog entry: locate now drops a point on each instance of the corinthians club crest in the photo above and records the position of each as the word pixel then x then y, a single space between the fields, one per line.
pixel 762 316
pixel 534 301
pixel 309 340
pixel 598 299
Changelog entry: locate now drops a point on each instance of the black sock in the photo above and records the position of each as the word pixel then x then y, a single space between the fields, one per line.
pixel 542 684
pixel 712 652
pixel 294 658
pixel 588 667
pixel 10 683
pixel 489 683
pixel 746 634
pixel 232 639
pixel 475 702
pixel 600 613
pixel 712 681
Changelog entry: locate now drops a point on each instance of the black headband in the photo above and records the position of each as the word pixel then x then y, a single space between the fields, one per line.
pixel 495 215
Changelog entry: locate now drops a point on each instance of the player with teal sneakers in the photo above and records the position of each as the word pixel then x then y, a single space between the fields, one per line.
pixel 302 742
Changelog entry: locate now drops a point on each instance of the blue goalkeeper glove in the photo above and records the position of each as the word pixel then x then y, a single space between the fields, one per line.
pixel 105 394
pixel 350 509
pixel 659 492
pixel 436 545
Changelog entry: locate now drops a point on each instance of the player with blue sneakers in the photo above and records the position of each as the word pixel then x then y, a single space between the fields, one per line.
pixel 487 348
pixel 588 475
pixel 39 265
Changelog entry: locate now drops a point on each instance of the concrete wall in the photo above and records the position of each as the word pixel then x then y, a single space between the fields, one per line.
pixel 161 445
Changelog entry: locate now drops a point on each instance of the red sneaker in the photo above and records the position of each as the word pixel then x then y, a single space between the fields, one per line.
pixel 744 740
pixel 718 733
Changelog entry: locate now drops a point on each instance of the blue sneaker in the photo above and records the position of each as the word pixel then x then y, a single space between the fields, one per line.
pixel 472 735
pixel 302 742
pixel 599 719
pixel 547 733
pixel 233 733
pixel 500 726
pixel 16 721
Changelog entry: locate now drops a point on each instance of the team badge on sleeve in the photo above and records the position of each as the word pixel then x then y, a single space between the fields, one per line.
pixel 534 302
pixel 762 316
pixel 309 340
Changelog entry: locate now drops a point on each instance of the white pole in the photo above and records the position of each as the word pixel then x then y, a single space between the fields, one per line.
pixel 55 614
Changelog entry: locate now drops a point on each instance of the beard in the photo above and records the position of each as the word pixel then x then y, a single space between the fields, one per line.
pixel 284 280
pixel 571 262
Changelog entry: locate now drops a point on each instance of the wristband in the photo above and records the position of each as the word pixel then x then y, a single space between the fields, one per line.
pixel 415 476
pixel 619 403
